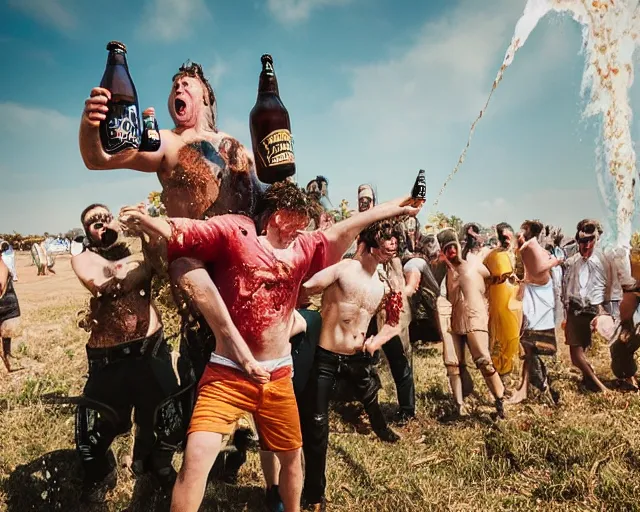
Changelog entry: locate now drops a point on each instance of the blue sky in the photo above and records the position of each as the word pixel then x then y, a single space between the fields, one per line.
pixel 376 89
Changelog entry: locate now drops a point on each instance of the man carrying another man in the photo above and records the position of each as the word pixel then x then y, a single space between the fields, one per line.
pixel 259 278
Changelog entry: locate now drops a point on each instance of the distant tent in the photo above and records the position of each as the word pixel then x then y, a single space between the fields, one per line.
pixel 57 246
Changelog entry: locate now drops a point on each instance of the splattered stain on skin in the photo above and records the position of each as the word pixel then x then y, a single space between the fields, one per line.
pixel 210 181
pixel 392 304
pixel 121 312
pixel 265 297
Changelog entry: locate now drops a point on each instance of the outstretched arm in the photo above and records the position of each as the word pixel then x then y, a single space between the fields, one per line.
pixel 324 278
pixel 341 235
pixel 93 154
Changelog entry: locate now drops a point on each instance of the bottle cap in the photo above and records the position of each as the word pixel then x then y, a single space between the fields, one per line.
pixel 116 45
pixel 266 58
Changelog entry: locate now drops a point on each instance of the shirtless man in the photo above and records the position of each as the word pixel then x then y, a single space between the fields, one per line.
pixel 129 360
pixel 203 172
pixel 353 293
pixel 9 313
pixel 259 278
pixel 538 310
pixel 469 320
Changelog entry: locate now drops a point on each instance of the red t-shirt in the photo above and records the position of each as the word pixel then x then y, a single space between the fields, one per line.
pixel 258 289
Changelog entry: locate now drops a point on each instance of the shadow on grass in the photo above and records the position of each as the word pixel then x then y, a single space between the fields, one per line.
pixel 221 497
pixel 50 482
pixel 54 482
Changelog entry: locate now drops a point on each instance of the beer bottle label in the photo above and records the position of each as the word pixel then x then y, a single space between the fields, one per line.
pixel 123 130
pixel 276 148
pixel 151 126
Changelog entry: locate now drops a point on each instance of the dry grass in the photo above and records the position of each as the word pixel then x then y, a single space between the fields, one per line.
pixel 582 455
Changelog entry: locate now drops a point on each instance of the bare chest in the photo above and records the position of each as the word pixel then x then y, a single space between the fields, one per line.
pixel 362 290
pixel 207 175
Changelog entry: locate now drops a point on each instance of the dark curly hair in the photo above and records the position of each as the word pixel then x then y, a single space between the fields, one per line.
pixel 285 195
pixel 378 232
pixel 500 230
pixel 194 70
pixel 535 227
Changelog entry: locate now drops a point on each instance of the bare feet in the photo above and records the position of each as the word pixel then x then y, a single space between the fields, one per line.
pixel 518 396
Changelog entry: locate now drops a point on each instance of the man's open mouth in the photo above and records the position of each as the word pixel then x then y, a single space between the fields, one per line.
pixel 180 106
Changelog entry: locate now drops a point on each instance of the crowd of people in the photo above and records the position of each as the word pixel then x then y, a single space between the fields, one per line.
pixel 283 308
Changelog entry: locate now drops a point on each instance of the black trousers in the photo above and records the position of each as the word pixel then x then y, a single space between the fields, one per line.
pixel 137 375
pixel 314 410
pixel 401 370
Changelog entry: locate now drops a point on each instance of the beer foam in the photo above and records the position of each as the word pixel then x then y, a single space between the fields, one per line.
pixel 610 33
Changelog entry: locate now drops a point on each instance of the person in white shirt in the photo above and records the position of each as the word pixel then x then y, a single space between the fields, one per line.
pixel 584 292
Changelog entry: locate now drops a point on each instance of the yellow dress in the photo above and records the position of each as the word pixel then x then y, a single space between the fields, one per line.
pixel 505 311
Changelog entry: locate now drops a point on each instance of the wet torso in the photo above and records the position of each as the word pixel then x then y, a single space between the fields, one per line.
pixel 534 257
pixel 206 174
pixel 348 306
pixel 466 292
pixel 121 309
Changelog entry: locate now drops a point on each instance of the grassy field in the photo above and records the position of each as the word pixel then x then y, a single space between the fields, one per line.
pixel 581 455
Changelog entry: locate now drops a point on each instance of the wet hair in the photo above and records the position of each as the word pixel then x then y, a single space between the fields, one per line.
pixel 589 226
pixel 500 229
pixel 4 246
pixel 194 70
pixel 379 232
pixel 470 242
pixel 535 227
pixel 88 209
pixel 321 179
pixel 429 246
pixel 285 195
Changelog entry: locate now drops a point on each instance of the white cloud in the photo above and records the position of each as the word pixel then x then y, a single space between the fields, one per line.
pixel 217 70
pixel 48 12
pixel 293 11
pixel 170 20
pixel 19 119
pixel 442 79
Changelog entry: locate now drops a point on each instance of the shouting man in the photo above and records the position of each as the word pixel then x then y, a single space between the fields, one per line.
pixel 259 278
pixel 203 171
pixel 129 360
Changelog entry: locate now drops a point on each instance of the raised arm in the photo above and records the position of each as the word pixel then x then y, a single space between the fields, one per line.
pixel 324 278
pixel 94 156
pixel 185 237
pixel 341 235
pixel 97 282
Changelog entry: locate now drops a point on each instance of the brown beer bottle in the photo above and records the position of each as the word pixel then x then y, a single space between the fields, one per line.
pixel 121 129
pixel 150 133
pixel 271 129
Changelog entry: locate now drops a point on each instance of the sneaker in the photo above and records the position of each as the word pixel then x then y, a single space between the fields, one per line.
pixel 96 492
pixel 273 500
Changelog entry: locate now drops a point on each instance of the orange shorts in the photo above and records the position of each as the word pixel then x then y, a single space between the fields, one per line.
pixel 225 393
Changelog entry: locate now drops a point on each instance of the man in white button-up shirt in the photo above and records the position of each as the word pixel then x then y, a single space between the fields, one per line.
pixel 584 294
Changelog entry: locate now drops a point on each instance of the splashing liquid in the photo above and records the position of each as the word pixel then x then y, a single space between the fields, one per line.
pixel 610 34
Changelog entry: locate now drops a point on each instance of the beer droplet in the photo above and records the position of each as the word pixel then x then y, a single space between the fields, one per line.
pixel 142 294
